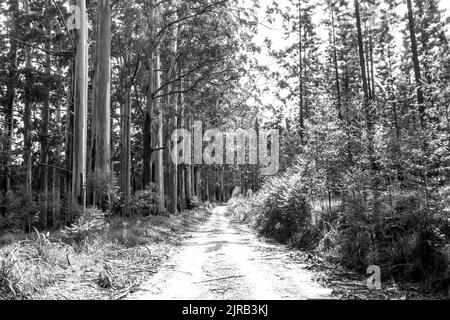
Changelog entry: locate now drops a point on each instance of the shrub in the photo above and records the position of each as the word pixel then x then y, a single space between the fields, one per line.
pixel 354 234
pixel 406 242
pixel 91 223
pixel 20 210
pixel 144 201
pixel 193 202
pixel 285 211
pixel 405 231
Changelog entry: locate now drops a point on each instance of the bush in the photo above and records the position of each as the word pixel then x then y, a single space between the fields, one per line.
pixel 91 223
pixel 193 202
pixel 20 210
pixel 406 242
pixel 354 235
pixel 285 211
pixel 405 231
pixel 144 201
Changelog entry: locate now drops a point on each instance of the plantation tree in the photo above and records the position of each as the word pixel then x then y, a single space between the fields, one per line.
pixel 367 106
pixel 44 132
pixel 80 110
pixel 415 57
pixel 102 108
pixel 27 113
pixel 10 96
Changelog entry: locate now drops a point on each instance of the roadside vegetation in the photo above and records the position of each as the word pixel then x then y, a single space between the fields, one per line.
pixel 98 257
pixel 407 242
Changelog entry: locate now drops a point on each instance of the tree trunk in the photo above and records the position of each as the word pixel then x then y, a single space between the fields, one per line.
pixel 188 179
pixel 159 165
pixel 80 110
pixel 125 157
pixel 183 167
pixel 208 195
pixel 27 115
pixel 68 136
pixel 198 182
pixel 222 184
pixel 56 193
pixel 147 148
pixel 43 137
pixel 174 167
pixel 367 59
pixel 90 165
pixel 102 109
pixel 372 68
pixel 336 69
pixel 10 99
pixel 367 106
pixel 300 74
pixel 415 56
pixel 149 107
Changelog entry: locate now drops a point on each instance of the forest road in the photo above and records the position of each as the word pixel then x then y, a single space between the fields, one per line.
pixel 223 260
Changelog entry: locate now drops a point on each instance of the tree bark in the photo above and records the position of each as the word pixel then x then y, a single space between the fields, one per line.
pixel 415 57
pixel 198 182
pixel 159 165
pixel 300 74
pixel 367 106
pixel 336 69
pixel 80 110
pixel 188 180
pixel 174 166
pixel 125 171
pixel 102 108
pixel 27 115
pixel 43 137
pixel 56 193
pixel 149 107
pixel 90 165
pixel 10 98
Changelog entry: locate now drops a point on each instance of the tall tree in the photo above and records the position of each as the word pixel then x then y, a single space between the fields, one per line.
pixel 300 75
pixel 80 104
pixel 159 164
pixel 335 60
pixel 368 108
pixel 10 95
pixel 27 113
pixel 44 131
pixel 415 58
pixel 125 150
pixel 102 106
pixel 174 168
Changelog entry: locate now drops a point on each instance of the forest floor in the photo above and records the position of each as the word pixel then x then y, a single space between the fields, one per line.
pixel 225 259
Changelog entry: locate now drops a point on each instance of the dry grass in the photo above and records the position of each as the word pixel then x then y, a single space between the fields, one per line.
pixel 102 265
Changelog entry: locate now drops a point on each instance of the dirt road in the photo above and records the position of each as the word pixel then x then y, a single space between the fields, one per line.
pixel 223 260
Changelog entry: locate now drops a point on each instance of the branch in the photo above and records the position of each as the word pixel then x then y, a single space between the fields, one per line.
pixel 199 66
pixel 55 167
pixel 203 11
pixel 51 52
pixel 157 149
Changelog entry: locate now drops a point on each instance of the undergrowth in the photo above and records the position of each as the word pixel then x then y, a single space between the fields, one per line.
pixel 97 257
pixel 404 233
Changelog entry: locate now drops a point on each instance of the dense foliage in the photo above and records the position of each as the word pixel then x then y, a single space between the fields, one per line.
pixel 365 155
